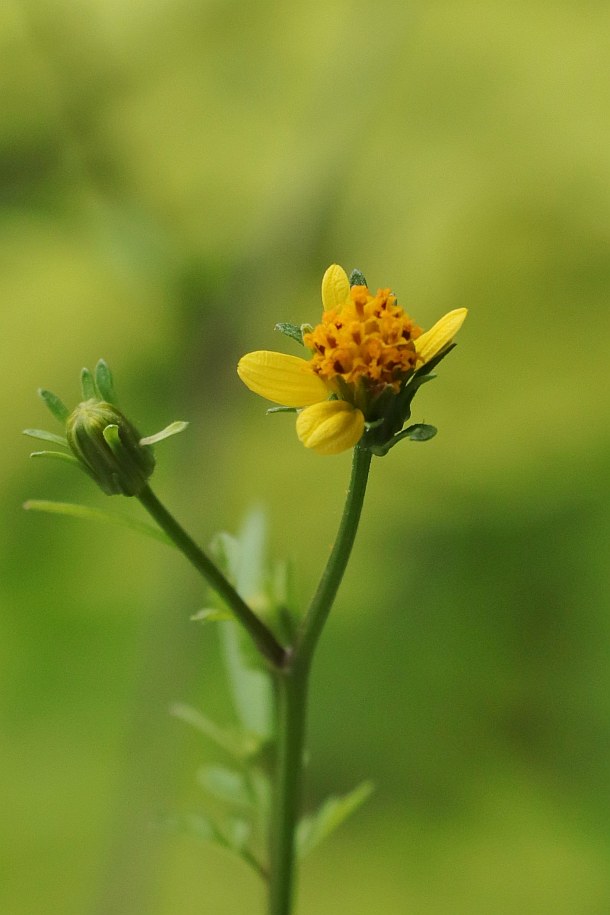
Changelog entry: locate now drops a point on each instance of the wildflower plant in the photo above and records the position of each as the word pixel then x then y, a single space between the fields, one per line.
pixel 366 360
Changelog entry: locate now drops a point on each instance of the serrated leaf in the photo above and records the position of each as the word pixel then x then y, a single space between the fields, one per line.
pixel 335 810
pixel 240 746
pixel 294 331
pixel 55 405
pixel 173 429
pixel 212 615
pixel 86 513
pixel 104 382
pixel 88 385
pixel 45 436
pixel 225 785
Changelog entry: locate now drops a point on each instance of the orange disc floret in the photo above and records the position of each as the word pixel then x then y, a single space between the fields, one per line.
pixel 367 337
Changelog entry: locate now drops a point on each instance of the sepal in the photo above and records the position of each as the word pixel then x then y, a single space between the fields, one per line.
pixel 357 278
pixel 55 405
pixel 294 331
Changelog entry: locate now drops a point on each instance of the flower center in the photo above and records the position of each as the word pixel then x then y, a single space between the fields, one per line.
pixel 368 338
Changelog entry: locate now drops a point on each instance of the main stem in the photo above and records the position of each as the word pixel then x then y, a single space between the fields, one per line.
pixel 292 684
pixel 264 639
pixel 291 696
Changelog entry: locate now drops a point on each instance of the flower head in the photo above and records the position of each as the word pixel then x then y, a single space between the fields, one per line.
pixel 367 360
pixel 100 439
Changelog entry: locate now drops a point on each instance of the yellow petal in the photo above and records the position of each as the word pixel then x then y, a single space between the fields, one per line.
pixel 330 427
pixel 287 380
pixel 432 341
pixel 335 287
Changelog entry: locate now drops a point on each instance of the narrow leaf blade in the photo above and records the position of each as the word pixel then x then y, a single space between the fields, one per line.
pixel 57 456
pixel 55 405
pixel 294 331
pixel 236 745
pixel 104 383
pixel 334 811
pixel 45 436
pixel 173 429
pixel 211 615
pixel 233 839
pixel 88 385
pixel 225 785
pixel 86 513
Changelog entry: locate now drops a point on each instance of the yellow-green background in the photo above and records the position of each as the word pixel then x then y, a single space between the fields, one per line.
pixel 175 177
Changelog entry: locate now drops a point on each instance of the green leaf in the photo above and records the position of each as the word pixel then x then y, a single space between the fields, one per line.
pixel 251 688
pixel 294 331
pixel 104 383
pixel 233 838
pixel 173 429
pixel 86 513
pixel 237 833
pixel 419 432
pixel 335 810
pixel 58 456
pixel 225 785
pixel 239 746
pixel 261 791
pixel 243 560
pixel 212 615
pixel 55 405
pixel 88 385
pixel 357 278
pixel 46 436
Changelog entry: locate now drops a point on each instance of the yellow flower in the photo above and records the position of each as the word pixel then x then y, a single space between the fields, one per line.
pixel 364 346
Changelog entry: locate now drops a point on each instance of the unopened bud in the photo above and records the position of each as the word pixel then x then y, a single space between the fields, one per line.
pixel 109 448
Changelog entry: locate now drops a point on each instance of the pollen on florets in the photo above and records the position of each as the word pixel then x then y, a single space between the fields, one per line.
pixel 368 338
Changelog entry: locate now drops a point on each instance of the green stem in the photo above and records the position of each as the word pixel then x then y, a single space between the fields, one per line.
pixel 292 709
pixel 264 639
pixel 292 682
pixel 323 599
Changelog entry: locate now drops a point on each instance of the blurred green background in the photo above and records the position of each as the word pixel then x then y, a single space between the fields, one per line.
pixel 175 178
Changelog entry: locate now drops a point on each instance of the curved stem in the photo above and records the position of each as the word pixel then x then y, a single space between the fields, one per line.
pixel 332 576
pixel 264 639
pixel 292 683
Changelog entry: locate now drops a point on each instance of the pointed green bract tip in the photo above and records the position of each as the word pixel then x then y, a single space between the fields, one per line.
pixel 87 385
pixel 55 405
pixel 104 382
pixel 357 278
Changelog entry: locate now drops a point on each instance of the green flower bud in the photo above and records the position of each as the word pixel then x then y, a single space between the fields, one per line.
pixel 108 447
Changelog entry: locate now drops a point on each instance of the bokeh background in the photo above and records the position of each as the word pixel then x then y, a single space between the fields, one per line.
pixel 175 178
